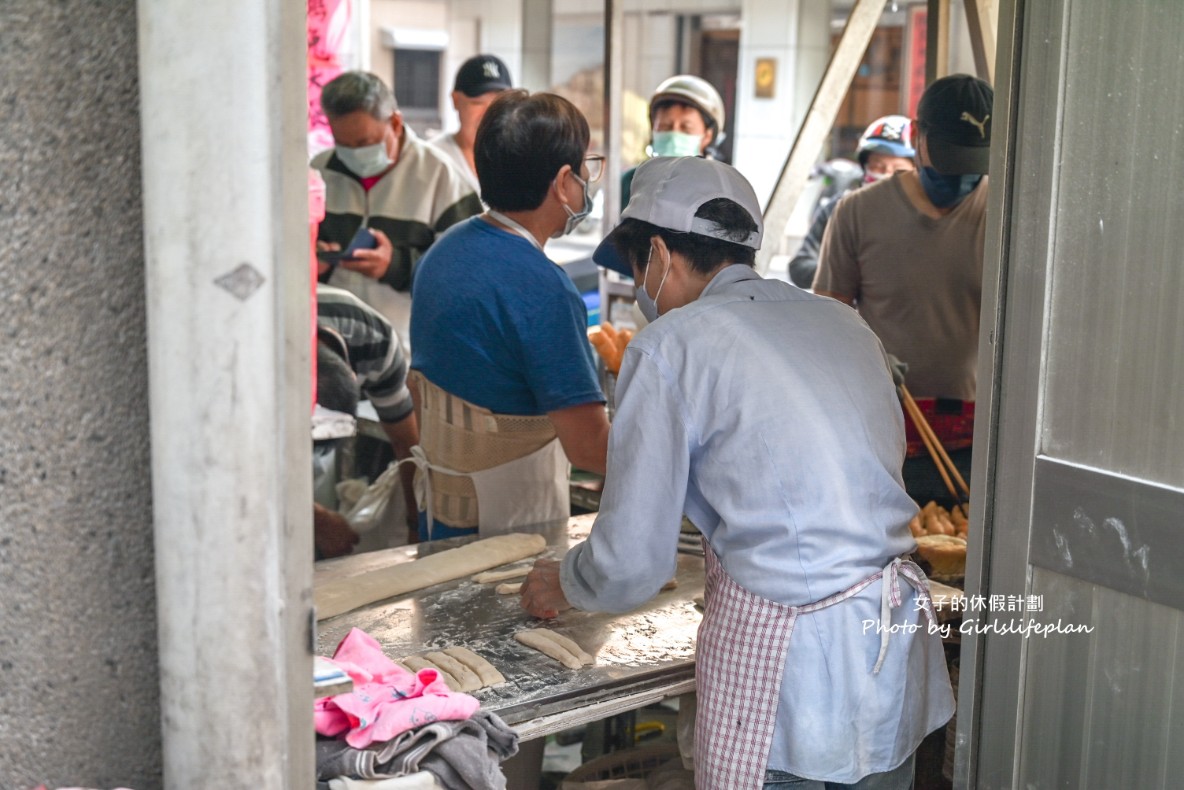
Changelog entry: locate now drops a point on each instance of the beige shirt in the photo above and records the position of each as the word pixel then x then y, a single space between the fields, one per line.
pixel 447 145
pixel 915 279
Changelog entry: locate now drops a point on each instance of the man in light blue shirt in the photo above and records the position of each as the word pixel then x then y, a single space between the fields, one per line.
pixel 817 658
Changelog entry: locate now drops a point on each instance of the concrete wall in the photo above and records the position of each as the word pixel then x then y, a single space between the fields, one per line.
pixel 79 699
pixel 796 35
pixel 400 14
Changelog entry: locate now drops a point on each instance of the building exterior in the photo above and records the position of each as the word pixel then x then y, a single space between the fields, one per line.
pixel 154 535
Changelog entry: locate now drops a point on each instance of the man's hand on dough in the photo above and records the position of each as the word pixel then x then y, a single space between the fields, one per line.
pixel 542 594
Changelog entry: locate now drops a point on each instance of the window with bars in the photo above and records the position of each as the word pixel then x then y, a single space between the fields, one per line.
pixel 417 79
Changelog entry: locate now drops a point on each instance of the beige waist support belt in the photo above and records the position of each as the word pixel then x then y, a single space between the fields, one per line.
pixel 464 437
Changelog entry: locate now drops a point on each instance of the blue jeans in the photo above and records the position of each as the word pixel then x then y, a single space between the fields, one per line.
pixel 899 778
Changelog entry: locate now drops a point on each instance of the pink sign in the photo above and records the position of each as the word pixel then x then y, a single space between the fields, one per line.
pixel 328 22
pixel 915 53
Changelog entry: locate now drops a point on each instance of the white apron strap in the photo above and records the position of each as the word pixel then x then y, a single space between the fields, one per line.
pixel 530 490
pixel 890 599
pixel 423 482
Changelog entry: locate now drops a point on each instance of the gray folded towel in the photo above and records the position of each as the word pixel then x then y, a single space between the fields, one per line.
pixel 463 755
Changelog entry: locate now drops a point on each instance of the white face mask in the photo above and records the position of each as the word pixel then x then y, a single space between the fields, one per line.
pixel 676 144
pixel 574 218
pixel 648 306
pixel 369 160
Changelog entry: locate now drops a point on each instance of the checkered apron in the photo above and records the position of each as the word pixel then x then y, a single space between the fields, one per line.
pixel 740 659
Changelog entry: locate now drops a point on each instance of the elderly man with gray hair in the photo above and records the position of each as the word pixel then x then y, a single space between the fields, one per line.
pixel 380 176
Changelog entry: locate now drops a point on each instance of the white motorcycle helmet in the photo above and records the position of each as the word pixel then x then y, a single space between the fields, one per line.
pixel 696 92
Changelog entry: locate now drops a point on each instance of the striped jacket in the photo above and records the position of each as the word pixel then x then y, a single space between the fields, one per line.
pixel 420 198
pixel 366 341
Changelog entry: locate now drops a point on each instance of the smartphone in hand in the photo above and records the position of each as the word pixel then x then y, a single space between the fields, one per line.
pixel 362 240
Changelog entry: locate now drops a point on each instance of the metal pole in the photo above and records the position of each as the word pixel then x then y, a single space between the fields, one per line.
pixel 614 87
pixel 937 40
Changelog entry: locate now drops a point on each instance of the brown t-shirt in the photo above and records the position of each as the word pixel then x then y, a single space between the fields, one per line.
pixel 916 280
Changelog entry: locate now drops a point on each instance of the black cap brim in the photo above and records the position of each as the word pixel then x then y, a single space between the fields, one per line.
pixel 473 91
pixel 949 159
pixel 609 257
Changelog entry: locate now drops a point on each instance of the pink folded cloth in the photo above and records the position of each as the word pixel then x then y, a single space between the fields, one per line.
pixel 387 700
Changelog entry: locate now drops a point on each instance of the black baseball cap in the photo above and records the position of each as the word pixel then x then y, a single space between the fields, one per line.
pixel 482 74
pixel 954 115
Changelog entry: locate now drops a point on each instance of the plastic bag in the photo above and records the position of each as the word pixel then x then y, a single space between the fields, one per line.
pixel 349 492
pixel 376 503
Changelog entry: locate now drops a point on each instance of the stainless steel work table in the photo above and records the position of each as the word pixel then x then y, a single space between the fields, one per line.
pixel 641 657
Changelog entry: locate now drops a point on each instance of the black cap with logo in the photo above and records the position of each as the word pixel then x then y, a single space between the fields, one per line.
pixel 482 74
pixel 954 115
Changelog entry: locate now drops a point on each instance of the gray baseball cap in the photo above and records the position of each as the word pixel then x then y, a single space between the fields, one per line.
pixel 668 190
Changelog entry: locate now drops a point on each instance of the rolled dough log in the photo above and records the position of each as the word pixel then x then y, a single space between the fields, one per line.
pixel 555 646
pixel 485 670
pixel 489 577
pixel 346 594
pixel 509 589
pixel 416 663
pixel 466 677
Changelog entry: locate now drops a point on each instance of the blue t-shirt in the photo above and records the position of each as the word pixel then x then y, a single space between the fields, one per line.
pixel 495 322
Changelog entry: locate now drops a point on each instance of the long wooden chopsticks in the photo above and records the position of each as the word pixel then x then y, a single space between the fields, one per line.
pixel 940 457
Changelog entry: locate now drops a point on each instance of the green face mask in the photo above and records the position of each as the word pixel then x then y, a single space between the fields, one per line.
pixel 676 144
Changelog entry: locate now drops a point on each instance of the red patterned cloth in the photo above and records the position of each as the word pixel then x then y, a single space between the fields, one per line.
pixel 952 421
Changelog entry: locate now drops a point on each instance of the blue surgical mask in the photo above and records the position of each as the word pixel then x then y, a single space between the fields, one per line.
pixel 366 161
pixel 946 190
pixel 574 218
pixel 676 144
pixel 648 306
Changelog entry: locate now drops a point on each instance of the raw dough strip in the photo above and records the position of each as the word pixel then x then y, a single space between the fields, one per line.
pixel 485 670
pixel 548 643
pixel 507 588
pixel 466 677
pixel 417 663
pixel 569 645
pixel 548 647
pixel 341 595
pixel 488 577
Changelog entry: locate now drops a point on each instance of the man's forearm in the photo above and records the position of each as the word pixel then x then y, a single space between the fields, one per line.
pixel 583 432
pixel 403 435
